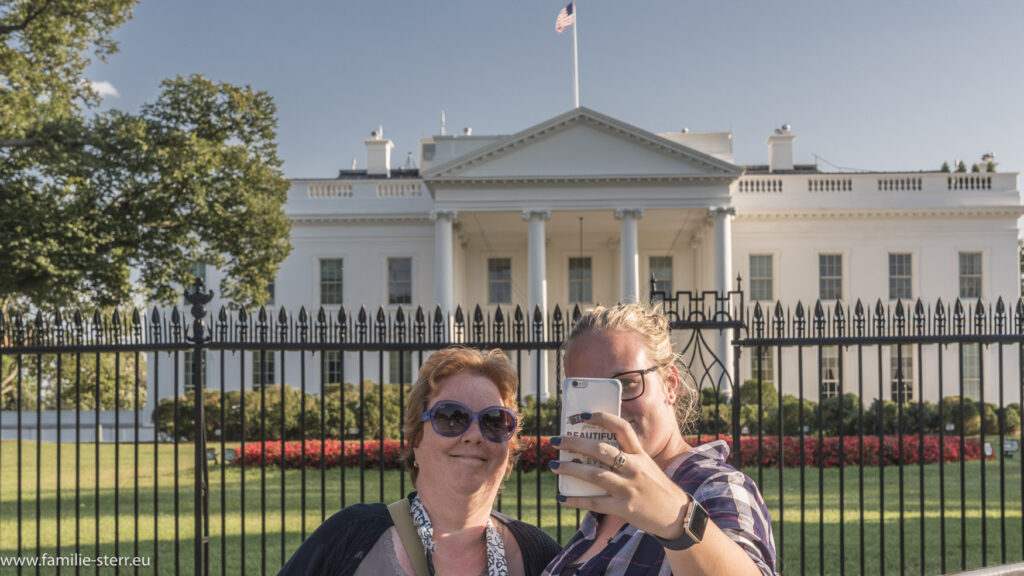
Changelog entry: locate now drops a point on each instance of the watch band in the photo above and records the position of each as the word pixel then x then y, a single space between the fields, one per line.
pixel 694 524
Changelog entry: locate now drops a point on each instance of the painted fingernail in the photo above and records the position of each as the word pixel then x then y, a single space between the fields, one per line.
pixel 556 440
pixel 586 415
pixel 560 498
pixel 554 464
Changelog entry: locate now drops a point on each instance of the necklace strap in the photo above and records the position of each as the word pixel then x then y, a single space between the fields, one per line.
pixel 497 564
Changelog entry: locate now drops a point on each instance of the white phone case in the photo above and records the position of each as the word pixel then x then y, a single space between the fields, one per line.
pixel 586 395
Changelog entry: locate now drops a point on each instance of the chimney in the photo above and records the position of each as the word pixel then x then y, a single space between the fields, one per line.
pixel 378 154
pixel 780 149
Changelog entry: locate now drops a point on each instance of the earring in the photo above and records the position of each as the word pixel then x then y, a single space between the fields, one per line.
pixel 415 464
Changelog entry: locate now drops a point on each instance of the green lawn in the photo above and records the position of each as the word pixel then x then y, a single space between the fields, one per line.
pixel 264 554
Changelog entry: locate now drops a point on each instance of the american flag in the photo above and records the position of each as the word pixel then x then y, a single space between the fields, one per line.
pixel 566 18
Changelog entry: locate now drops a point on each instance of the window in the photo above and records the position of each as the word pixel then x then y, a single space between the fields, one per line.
pixel 190 383
pixel 761 277
pixel 900 276
pixel 399 280
pixel 970 274
pixel 499 280
pixel 901 372
pixel 580 283
pixel 830 275
pixel 197 270
pixel 270 293
pixel 661 269
pixel 767 364
pixel 971 363
pixel 262 369
pixel 829 372
pixel 400 367
pixel 331 276
pixel 332 368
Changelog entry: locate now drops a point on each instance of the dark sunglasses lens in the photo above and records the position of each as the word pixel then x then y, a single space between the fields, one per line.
pixel 497 425
pixel 450 419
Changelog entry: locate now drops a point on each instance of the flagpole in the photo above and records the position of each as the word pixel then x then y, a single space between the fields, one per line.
pixel 575 59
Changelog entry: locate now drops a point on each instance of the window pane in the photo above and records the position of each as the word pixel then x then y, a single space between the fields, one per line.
pixel 400 367
pixel 331 276
pixel 661 269
pixel 970 274
pixel 499 280
pixel 767 358
pixel 829 371
pixel 262 369
pixel 761 277
pixel 399 280
pixel 579 280
pixel 900 277
pixel 332 368
pixel 972 371
pixel 830 270
pixel 188 374
pixel 901 372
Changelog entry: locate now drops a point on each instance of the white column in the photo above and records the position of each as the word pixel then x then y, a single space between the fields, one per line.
pixel 723 276
pixel 444 275
pixel 630 253
pixel 537 295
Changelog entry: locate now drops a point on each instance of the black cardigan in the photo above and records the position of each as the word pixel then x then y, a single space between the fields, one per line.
pixel 338 546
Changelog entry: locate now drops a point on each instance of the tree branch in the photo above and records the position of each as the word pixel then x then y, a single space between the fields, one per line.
pixel 5 30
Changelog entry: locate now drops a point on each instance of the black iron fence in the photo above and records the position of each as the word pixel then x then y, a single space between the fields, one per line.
pixel 300 416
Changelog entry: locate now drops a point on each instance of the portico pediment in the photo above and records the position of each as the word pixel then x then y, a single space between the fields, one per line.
pixel 582 146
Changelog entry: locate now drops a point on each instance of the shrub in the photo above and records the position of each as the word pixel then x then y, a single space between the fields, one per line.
pixel 952 413
pixel 790 415
pixel 795 452
pixel 549 423
pixel 829 409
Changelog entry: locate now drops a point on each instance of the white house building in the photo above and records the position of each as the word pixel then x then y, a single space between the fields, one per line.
pixel 582 209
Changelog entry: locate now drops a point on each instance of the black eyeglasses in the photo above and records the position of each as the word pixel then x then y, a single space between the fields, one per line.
pixel 633 382
pixel 450 419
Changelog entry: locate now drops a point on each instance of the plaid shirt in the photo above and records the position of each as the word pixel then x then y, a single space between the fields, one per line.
pixel 731 498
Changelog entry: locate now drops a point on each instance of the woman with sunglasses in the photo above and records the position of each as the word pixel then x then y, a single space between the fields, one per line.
pixel 461 422
pixel 671 508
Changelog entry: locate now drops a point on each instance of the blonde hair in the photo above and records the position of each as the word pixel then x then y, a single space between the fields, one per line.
pixel 493 365
pixel 652 326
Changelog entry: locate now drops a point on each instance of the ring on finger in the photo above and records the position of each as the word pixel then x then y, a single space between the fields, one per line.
pixel 619 461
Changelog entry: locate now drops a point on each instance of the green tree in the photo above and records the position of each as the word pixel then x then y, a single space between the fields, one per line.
pixel 88 196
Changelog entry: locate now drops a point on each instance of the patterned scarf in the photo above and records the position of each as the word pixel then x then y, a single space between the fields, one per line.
pixel 496 563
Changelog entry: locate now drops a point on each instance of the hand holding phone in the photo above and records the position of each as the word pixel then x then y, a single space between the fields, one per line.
pixel 586 395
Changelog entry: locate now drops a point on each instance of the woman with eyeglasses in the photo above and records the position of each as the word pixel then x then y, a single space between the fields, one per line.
pixel 461 423
pixel 670 508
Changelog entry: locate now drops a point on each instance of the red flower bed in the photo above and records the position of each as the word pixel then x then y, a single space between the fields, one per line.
pixel 337 453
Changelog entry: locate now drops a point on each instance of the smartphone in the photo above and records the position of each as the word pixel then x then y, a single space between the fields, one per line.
pixel 586 395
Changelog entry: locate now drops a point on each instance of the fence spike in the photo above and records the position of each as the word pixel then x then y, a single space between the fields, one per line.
pixel 499 316
pixel 478 315
pixel 1020 315
pixel 362 316
pixel 557 323
pixel 758 315
pixel 557 314
pixel 421 324
pixel 1000 307
pixel 460 318
pixel 343 317
pixel 3 324
pixel 576 314
pixel 381 316
pixel 78 319
pixel 420 316
pixel 400 316
pixel 321 316
pixel 799 310
pixel 282 315
pixel 58 319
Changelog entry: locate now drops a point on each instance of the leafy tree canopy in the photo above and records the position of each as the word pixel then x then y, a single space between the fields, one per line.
pixel 87 196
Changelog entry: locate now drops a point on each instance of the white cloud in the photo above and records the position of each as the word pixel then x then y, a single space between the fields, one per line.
pixel 104 88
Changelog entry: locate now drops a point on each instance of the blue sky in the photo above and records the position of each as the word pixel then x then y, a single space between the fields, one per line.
pixel 874 85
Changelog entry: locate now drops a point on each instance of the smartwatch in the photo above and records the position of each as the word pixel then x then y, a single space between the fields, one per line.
pixel 694 524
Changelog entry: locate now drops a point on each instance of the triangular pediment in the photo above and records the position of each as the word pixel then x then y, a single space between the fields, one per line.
pixel 582 145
